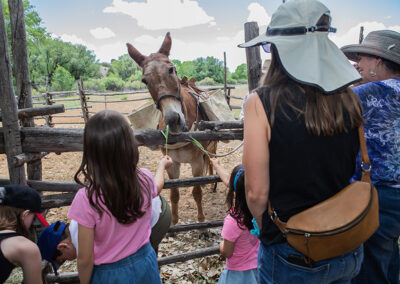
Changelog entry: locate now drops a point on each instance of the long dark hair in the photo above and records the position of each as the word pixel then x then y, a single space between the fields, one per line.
pixel 109 167
pixel 323 114
pixel 237 204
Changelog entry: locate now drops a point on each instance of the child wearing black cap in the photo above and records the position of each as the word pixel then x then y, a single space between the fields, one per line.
pixel 18 205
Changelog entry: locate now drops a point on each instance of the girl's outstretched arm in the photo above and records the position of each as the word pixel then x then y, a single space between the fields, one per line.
pixel 223 174
pixel 226 248
pixel 85 253
pixel 164 164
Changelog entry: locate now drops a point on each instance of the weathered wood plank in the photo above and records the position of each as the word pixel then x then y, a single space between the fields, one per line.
pixel 253 57
pixel 52 186
pixel 218 125
pixel 71 139
pixel 38 111
pixel 20 159
pixel 196 226
pixel 11 139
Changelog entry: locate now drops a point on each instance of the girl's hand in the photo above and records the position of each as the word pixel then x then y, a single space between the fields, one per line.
pixel 166 161
pixel 214 162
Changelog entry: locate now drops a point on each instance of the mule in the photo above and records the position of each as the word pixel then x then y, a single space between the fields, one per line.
pixel 178 104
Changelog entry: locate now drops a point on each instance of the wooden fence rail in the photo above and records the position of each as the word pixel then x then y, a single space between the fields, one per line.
pixel 38 139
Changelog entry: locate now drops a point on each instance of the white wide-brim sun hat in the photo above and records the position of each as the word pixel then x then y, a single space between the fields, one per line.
pixel 304 49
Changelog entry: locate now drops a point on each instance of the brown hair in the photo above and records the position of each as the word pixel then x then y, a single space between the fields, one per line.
pixel 109 167
pixel 10 219
pixel 323 114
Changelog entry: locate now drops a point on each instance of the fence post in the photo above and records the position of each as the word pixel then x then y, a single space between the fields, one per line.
pixel 105 101
pixel 228 98
pixel 49 102
pixel 21 74
pixel 253 56
pixel 8 104
pixel 84 108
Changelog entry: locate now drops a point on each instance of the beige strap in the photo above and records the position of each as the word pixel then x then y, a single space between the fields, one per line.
pixel 366 177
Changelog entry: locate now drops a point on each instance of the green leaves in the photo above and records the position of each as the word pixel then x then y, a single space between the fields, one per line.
pixel 198 144
pixel 166 133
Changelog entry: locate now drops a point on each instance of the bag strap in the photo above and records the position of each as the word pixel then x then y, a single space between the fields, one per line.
pixel 365 163
pixel 366 177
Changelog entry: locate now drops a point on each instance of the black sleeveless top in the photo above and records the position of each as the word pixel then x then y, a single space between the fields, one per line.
pixel 304 169
pixel 5 266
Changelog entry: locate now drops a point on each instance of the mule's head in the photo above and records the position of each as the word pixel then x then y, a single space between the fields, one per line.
pixel 160 77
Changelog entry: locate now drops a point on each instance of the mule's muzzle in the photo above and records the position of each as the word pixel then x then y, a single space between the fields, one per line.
pixel 176 123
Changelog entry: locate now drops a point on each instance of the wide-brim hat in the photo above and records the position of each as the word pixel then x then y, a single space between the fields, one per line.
pixel 304 49
pixel 383 43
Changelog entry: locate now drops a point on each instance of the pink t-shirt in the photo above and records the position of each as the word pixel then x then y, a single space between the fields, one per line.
pixel 244 255
pixel 114 241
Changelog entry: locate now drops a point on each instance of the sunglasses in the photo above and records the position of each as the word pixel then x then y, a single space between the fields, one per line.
pixel 267 47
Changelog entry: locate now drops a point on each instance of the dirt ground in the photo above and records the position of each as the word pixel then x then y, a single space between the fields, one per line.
pixel 204 270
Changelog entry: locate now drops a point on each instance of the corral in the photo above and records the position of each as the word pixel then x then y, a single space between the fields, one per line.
pixel 31 144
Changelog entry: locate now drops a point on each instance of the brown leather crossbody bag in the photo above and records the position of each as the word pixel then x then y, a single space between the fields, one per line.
pixel 339 224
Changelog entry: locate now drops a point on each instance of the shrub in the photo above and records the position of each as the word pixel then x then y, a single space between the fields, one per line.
pixel 134 85
pixel 113 83
pixel 94 84
pixel 62 80
pixel 207 81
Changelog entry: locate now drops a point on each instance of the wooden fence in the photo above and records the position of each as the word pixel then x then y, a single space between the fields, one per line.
pixel 88 98
pixel 43 140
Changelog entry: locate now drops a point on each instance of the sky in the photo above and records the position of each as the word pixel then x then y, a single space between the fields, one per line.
pixel 198 28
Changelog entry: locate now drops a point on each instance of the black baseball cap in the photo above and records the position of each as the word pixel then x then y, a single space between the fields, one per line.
pixel 21 196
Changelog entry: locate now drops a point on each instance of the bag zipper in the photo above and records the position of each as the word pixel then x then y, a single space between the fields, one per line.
pixel 334 231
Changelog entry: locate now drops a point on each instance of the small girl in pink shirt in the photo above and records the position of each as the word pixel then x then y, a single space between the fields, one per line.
pixel 113 209
pixel 239 246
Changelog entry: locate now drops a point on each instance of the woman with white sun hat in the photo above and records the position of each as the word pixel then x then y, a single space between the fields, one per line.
pixel 300 138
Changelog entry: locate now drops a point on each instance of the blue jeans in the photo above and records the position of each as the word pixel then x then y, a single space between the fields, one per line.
pixel 381 261
pixel 274 267
pixel 140 267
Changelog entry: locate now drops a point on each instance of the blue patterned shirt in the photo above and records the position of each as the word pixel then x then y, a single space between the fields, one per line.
pixel 381 111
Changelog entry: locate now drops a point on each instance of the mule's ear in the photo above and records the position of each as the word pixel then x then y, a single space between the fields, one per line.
pixel 136 55
pixel 166 45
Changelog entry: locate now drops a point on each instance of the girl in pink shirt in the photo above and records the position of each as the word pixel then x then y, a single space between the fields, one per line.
pixel 113 210
pixel 239 246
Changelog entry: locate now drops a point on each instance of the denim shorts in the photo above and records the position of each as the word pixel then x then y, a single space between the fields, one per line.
pixel 274 266
pixel 140 267
pixel 238 277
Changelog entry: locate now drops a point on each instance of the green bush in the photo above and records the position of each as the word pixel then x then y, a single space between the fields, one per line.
pixel 113 83
pixel 242 81
pixel 62 80
pixel 134 85
pixel 94 84
pixel 207 81
pixel 231 81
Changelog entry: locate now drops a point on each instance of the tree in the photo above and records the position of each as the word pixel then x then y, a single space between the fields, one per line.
pixel 125 68
pixel 240 72
pixel 62 80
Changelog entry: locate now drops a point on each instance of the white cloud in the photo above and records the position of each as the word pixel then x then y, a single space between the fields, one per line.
pixel 102 33
pixel 162 14
pixel 258 14
pixel 352 35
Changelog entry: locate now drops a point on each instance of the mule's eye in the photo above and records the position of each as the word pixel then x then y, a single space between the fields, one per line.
pixel 171 70
pixel 144 81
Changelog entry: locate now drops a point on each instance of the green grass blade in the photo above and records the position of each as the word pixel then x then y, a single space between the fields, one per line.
pixel 166 133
